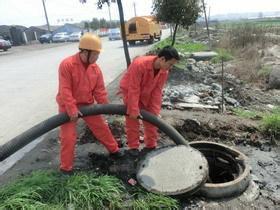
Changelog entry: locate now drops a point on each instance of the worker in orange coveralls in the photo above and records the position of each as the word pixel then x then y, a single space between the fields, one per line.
pixel 81 83
pixel 141 88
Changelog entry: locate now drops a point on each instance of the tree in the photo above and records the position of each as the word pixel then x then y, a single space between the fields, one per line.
pixel 178 12
pixel 95 24
pixel 115 24
pixel 86 26
pixel 103 23
pixel 119 2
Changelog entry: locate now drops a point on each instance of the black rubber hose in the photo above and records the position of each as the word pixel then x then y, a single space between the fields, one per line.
pixel 31 134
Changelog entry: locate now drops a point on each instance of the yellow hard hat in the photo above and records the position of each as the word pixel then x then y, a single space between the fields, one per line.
pixel 90 41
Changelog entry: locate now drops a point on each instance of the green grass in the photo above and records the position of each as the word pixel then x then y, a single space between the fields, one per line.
pixel 32 192
pixel 181 64
pixel 264 71
pixel 50 190
pixel 271 122
pixel 85 190
pixel 249 114
pixel 264 22
pixel 183 47
pixel 223 54
pixel 145 200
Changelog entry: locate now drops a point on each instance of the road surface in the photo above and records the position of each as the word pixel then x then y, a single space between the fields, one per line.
pixel 28 80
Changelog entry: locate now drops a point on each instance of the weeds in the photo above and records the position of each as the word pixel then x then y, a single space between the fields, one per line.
pixel 32 192
pixel 85 191
pixel 183 47
pixel 247 113
pixel 50 190
pixel 265 71
pixel 223 54
pixel 271 122
pixel 145 200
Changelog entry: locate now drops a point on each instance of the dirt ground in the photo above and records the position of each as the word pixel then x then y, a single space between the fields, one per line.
pixel 194 124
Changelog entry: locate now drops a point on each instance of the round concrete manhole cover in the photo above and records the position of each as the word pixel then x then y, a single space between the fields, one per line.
pixel 173 170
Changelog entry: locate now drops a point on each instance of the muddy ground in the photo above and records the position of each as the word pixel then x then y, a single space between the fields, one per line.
pixel 194 124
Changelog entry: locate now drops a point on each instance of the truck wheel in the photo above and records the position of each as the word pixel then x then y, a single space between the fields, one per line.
pixel 131 43
pixel 151 40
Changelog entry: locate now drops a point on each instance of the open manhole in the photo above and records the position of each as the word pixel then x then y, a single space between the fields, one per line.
pixel 229 175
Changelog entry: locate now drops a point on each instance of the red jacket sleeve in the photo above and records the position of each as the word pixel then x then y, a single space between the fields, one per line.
pixel 156 100
pixel 99 92
pixel 65 89
pixel 135 78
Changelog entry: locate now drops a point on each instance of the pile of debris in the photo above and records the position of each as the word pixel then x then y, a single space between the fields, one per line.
pixel 198 85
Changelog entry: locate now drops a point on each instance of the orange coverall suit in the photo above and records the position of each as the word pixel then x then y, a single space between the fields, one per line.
pixel 80 86
pixel 142 90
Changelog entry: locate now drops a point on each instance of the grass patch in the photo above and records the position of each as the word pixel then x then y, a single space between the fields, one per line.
pixel 84 191
pixel 32 192
pixel 264 71
pixel 249 114
pixel 145 200
pixel 223 54
pixel 50 190
pixel 183 47
pixel 181 64
pixel 271 122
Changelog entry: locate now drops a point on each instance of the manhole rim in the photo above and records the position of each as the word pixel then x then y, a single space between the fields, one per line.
pixel 231 188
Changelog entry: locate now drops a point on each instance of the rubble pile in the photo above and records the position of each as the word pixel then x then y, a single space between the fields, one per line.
pixel 198 85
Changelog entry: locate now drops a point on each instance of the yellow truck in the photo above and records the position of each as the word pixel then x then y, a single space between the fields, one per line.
pixel 142 28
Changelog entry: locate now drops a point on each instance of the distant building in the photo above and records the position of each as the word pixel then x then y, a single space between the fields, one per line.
pixel 5 31
pixel 33 33
pixel 69 28
pixel 20 35
pixel 45 27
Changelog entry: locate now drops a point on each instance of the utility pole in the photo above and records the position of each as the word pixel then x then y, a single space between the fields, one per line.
pixel 46 15
pixel 125 48
pixel 134 5
pixel 209 14
pixel 206 22
pixel 109 8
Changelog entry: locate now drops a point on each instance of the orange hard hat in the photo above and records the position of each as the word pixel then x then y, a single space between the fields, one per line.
pixel 90 41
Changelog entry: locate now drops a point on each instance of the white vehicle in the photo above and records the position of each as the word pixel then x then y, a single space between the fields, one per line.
pixel 75 37
pixel 61 37
pixel 114 34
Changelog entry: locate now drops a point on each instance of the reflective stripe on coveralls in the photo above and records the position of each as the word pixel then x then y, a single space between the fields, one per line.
pixel 141 89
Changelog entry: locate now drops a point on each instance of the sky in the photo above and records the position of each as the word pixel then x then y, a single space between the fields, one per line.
pixel 31 12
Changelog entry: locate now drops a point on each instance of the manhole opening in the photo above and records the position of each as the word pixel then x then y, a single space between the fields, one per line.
pixel 222 165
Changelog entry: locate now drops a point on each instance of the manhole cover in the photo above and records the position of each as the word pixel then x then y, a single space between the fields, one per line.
pixel 173 170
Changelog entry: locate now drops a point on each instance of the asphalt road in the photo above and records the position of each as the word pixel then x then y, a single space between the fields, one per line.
pixel 28 80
